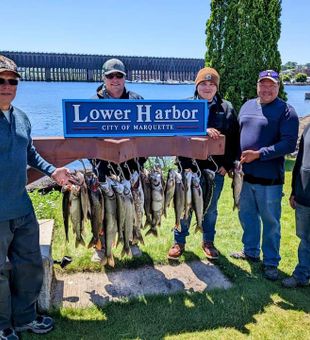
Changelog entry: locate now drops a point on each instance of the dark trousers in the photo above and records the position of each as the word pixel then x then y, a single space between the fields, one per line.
pixel 21 280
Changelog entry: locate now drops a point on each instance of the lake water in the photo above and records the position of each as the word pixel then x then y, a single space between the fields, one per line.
pixel 42 101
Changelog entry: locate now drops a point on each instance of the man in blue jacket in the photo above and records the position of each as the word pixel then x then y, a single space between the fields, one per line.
pixel 20 278
pixel 268 131
pixel 300 201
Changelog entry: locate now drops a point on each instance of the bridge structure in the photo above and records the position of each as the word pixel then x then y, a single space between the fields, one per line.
pixel 37 66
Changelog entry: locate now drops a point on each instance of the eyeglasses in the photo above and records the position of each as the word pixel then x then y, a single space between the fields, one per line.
pixel 269 73
pixel 114 75
pixel 12 82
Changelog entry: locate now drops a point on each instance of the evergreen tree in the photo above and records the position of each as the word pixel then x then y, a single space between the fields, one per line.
pixel 242 39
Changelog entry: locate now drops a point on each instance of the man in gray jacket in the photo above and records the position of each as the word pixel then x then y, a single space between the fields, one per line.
pixel 300 201
pixel 20 278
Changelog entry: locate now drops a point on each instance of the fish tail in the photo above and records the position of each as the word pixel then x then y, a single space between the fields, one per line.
pixel 152 231
pixel 110 261
pixel 198 228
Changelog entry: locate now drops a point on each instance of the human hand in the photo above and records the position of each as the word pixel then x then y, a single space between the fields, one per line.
pixel 222 171
pixel 61 176
pixel 249 156
pixel 213 133
pixel 292 202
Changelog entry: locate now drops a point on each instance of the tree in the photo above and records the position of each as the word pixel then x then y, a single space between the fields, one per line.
pixel 242 38
pixel 301 77
pixel 289 65
pixel 286 78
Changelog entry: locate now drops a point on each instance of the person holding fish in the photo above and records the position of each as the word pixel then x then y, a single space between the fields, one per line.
pixel 113 87
pixel 300 202
pixel 221 120
pixel 268 131
pixel 21 278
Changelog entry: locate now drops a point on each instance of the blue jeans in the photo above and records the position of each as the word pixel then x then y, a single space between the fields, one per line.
pixel 21 284
pixel 209 221
pixel 302 270
pixel 261 203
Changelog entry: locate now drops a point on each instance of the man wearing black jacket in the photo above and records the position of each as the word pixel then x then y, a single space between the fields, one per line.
pixel 300 201
pixel 221 120
pixel 113 87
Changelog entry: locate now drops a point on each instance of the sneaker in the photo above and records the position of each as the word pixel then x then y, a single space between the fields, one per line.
pixel 41 325
pixel 210 251
pixel 135 250
pixel 271 273
pixel 241 255
pixel 8 334
pixel 176 251
pixel 291 282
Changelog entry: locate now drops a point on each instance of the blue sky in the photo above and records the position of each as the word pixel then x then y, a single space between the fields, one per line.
pixel 161 28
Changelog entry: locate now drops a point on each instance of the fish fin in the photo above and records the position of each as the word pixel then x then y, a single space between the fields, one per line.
pixel 152 231
pixel 79 241
pixel 198 228
pixel 90 244
pixel 123 252
pixel 147 223
pixel 82 242
pixel 140 238
pixel 126 251
pixel 110 261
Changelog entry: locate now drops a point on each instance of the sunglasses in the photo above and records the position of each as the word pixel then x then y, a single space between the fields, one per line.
pixel 272 74
pixel 114 75
pixel 12 82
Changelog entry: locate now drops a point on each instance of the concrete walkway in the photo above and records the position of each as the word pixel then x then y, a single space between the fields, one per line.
pixel 87 289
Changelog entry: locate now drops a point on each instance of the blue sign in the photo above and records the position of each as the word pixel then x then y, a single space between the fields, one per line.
pixel 131 118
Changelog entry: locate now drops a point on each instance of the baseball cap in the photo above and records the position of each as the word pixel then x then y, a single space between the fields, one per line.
pixel 7 64
pixel 269 74
pixel 208 73
pixel 113 65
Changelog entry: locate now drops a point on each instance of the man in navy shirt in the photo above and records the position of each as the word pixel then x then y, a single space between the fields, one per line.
pixel 268 131
pixel 21 278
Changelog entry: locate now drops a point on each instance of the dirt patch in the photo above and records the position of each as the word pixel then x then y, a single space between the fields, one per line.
pixel 87 289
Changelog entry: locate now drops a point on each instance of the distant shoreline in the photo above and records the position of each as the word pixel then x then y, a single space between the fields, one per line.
pixel 296 84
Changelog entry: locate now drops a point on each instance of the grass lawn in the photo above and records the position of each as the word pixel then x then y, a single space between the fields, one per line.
pixel 253 308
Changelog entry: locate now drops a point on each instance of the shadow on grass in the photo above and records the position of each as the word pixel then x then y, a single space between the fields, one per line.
pixel 155 317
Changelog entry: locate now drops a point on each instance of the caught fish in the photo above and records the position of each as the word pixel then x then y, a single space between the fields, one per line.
pixel 129 210
pixel 169 190
pixel 207 185
pixel 147 191
pixel 96 213
pixel 110 221
pixel 66 209
pixel 76 214
pixel 237 183
pixel 157 201
pixel 138 200
pixel 197 198
pixel 80 181
pixel 118 189
pixel 179 200
pixel 188 191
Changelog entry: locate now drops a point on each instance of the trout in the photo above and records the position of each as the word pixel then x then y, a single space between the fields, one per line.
pixel 237 183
